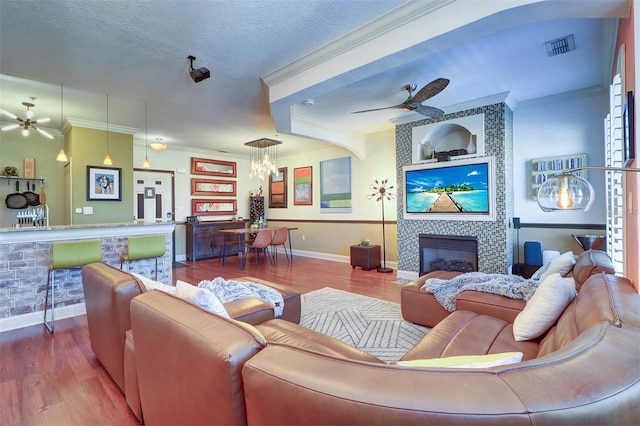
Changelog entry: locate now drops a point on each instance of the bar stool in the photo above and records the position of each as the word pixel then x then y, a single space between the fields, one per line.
pixel 144 247
pixel 67 255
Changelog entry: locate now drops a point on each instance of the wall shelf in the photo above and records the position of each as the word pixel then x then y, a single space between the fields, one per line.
pixel 544 168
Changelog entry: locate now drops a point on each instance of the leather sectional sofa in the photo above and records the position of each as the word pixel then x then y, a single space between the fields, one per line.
pixel 195 367
pixel 421 307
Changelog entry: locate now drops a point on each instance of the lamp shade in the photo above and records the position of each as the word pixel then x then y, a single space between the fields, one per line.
pixel 566 192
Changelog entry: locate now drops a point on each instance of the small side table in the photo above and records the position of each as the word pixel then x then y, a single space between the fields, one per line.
pixel 366 257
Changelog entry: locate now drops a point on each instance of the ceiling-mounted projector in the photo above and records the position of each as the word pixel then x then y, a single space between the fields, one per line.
pixel 198 74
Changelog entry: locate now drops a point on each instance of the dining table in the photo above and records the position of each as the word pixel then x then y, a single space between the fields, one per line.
pixel 241 235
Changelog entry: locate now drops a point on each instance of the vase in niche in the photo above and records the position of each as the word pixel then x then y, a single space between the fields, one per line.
pixel 471 147
pixel 427 151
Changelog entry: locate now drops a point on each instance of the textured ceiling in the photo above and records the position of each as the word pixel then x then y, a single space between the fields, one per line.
pixel 136 51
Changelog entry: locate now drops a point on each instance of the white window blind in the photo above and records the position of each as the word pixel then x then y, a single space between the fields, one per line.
pixel 614 180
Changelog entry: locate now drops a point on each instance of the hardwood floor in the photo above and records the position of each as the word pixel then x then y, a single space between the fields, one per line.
pixel 57 380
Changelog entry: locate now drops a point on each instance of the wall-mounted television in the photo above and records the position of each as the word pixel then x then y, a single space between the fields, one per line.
pixel 451 190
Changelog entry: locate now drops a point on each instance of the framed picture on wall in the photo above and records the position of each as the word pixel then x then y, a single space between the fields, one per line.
pixel 213 187
pixel 303 186
pixel 278 189
pixel 104 183
pixel 212 207
pixel 628 129
pixel 207 166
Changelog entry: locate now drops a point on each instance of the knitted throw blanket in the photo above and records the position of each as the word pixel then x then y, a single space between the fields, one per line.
pixel 512 286
pixel 230 290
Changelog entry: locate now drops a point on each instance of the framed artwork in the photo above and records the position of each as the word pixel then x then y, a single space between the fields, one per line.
pixel 628 129
pixel 211 207
pixel 104 183
pixel 278 189
pixel 335 185
pixel 206 166
pixel 303 186
pixel 213 187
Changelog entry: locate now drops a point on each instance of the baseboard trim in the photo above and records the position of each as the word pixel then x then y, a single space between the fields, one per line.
pixel 34 318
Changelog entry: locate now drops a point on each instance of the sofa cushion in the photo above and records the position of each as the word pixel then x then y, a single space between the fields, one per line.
pixel 468 333
pixel 466 361
pixel 278 331
pixel 562 265
pixel 150 284
pixel 545 307
pixel 201 297
pixel 602 299
pixel 591 262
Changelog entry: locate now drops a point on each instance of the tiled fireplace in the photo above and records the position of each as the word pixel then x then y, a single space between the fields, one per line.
pixel 494 238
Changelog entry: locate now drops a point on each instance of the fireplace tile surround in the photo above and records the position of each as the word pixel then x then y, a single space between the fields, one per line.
pixel 495 239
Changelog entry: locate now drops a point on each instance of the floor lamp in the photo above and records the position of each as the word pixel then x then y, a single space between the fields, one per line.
pixel 381 191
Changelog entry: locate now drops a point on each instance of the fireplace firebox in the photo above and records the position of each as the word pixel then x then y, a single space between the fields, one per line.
pixel 447 253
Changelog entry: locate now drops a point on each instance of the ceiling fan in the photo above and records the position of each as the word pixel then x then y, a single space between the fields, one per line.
pixel 414 103
pixel 27 123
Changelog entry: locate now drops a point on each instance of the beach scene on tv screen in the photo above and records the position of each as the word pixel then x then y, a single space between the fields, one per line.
pixel 454 189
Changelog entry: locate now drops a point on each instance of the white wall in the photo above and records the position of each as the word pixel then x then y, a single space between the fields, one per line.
pixel 379 162
pixel 571 123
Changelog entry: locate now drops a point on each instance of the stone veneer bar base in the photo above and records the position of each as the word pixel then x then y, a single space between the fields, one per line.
pixel 25 254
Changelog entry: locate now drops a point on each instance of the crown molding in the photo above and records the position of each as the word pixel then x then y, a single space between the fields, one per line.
pixel 78 122
pixel 390 21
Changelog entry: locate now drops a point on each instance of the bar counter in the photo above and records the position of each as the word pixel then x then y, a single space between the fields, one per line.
pixel 25 254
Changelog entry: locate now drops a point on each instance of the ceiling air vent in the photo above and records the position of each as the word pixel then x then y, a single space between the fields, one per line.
pixel 560 46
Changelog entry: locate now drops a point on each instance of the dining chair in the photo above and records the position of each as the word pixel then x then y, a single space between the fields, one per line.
pixel 280 238
pixel 260 244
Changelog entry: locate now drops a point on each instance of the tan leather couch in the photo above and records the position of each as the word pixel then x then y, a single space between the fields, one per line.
pixel 197 368
pixel 108 293
pixel 584 370
pixel 420 307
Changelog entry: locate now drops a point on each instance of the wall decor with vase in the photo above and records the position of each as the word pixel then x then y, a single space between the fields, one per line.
pixel 459 137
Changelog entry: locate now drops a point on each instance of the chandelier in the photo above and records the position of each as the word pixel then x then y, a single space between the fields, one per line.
pixel 263 157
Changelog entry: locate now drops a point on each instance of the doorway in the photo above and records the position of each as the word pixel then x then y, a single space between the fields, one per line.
pixel 153 197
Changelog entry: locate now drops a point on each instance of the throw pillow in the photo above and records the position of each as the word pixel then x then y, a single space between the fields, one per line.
pixel 544 308
pixel 467 361
pixel 201 297
pixel 150 284
pixel 560 265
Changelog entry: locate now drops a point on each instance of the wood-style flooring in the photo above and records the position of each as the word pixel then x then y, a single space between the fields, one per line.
pixel 57 380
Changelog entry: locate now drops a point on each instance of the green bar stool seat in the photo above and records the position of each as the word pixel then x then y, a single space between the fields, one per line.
pixel 144 247
pixel 68 255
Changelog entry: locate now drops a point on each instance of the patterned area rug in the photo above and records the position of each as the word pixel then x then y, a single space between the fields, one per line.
pixel 373 325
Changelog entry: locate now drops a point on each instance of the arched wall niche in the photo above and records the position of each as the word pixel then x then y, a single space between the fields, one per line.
pixel 465 133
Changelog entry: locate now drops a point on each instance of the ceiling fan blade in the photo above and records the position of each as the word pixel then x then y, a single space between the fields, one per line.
pixel 429 111
pixel 10 127
pixel 41 120
pixel 379 109
pixel 42 132
pixel 8 114
pixel 431 89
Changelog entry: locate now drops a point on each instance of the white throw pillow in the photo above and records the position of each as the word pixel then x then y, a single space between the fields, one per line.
pixel 466 361
pixel 544 308
pixel 201 297
pixel 150 284
pixel 560 265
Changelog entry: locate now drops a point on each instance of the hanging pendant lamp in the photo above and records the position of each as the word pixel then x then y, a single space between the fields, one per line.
pixel 107 158
pixel 62 156
pixel 146 164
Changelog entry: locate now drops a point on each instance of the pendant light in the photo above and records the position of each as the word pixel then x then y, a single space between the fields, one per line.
pixel 145 163
pixel 61 154
pixel 107 158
